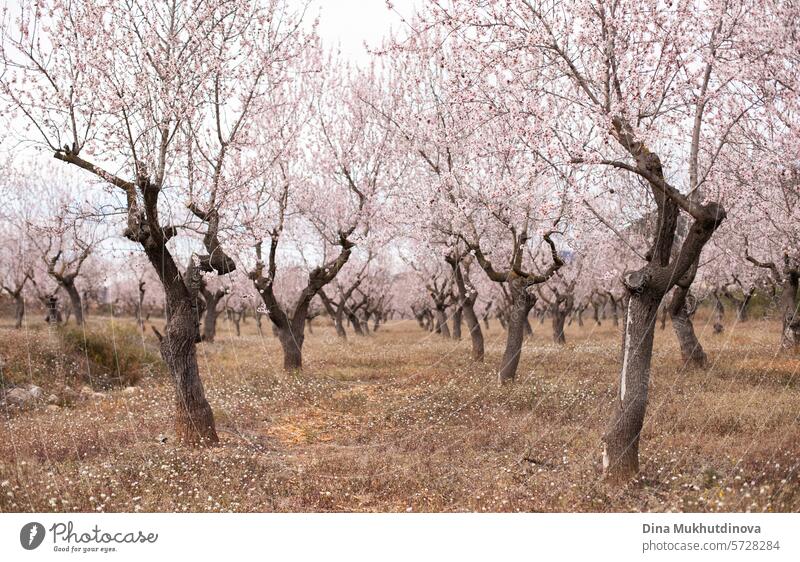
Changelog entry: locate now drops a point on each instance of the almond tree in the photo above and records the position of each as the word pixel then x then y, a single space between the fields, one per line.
pixel 18 253
pixel 322 161
pixel 480 187
pixel 649 90
pixel 65 256
pixel 152 99
pixel 342 291
pixel 17 271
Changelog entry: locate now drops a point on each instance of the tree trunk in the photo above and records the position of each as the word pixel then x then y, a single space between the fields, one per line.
pixel 521 304
pixel 790 335
pixel 441 323
pixel 467 296
pixel 338 322
pixel 75 302
pixel 475 333
pixel 236 318
pixel 614 311
pixel 559 318
pixel 621 442
pixel 194 420
pixel 741 308
pixel 210 322
pixel 457 316
pixel 526 325
pixel 719 314
pixel 212 299
pixel 292 344
pixel 19 310
pixel 355 323
pixel 681 310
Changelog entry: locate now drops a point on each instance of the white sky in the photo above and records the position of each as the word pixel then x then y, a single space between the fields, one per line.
pixel 349 23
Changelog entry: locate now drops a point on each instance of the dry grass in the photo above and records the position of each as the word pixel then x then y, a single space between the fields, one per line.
pixel 401 421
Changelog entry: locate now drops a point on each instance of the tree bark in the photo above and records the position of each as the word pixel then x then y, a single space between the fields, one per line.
pixel 457 319
pixel 140 306
pixel 521 304
pixel 194 419
pixel 336 312
pixel 559 318
pixel 212 300
pixel 210 324
pixel 790 334
pixel 467 295
pixel 292 344
pixel 19 310
pixel 614 309
pixel 75 301
pixel 441 323
pixel 338 322
pixel 719 314
pixel 621 448
pixel 681 309
pixel 647 288
pixel 355 322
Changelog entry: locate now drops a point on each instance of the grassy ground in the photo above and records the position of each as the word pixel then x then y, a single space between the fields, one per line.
pixel 402 421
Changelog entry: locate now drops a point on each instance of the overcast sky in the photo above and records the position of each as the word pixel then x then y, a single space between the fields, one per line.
pixel 349 23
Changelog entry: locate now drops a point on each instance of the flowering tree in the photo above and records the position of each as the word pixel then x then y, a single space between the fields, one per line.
pixel 480 187
pixel 314 198
pixel 65 250
pixel 154 100
pixel 17 270
pixel 667 84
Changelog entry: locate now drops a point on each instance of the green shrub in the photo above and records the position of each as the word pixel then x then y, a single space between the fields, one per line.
pixel 116 356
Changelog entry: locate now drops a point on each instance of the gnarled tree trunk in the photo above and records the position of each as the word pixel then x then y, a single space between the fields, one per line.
pixel 441 323
pixel 467 295
pixel 559 318
pixel 75 301
pixel 790 335
pixel 336 312
pixel 647 288
pixel 194 420
pixel 621 449
pixel 457 319
pixel 291 338
pixel 212 300
pixel 19 310
pixel 521 304
pixel 681 310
